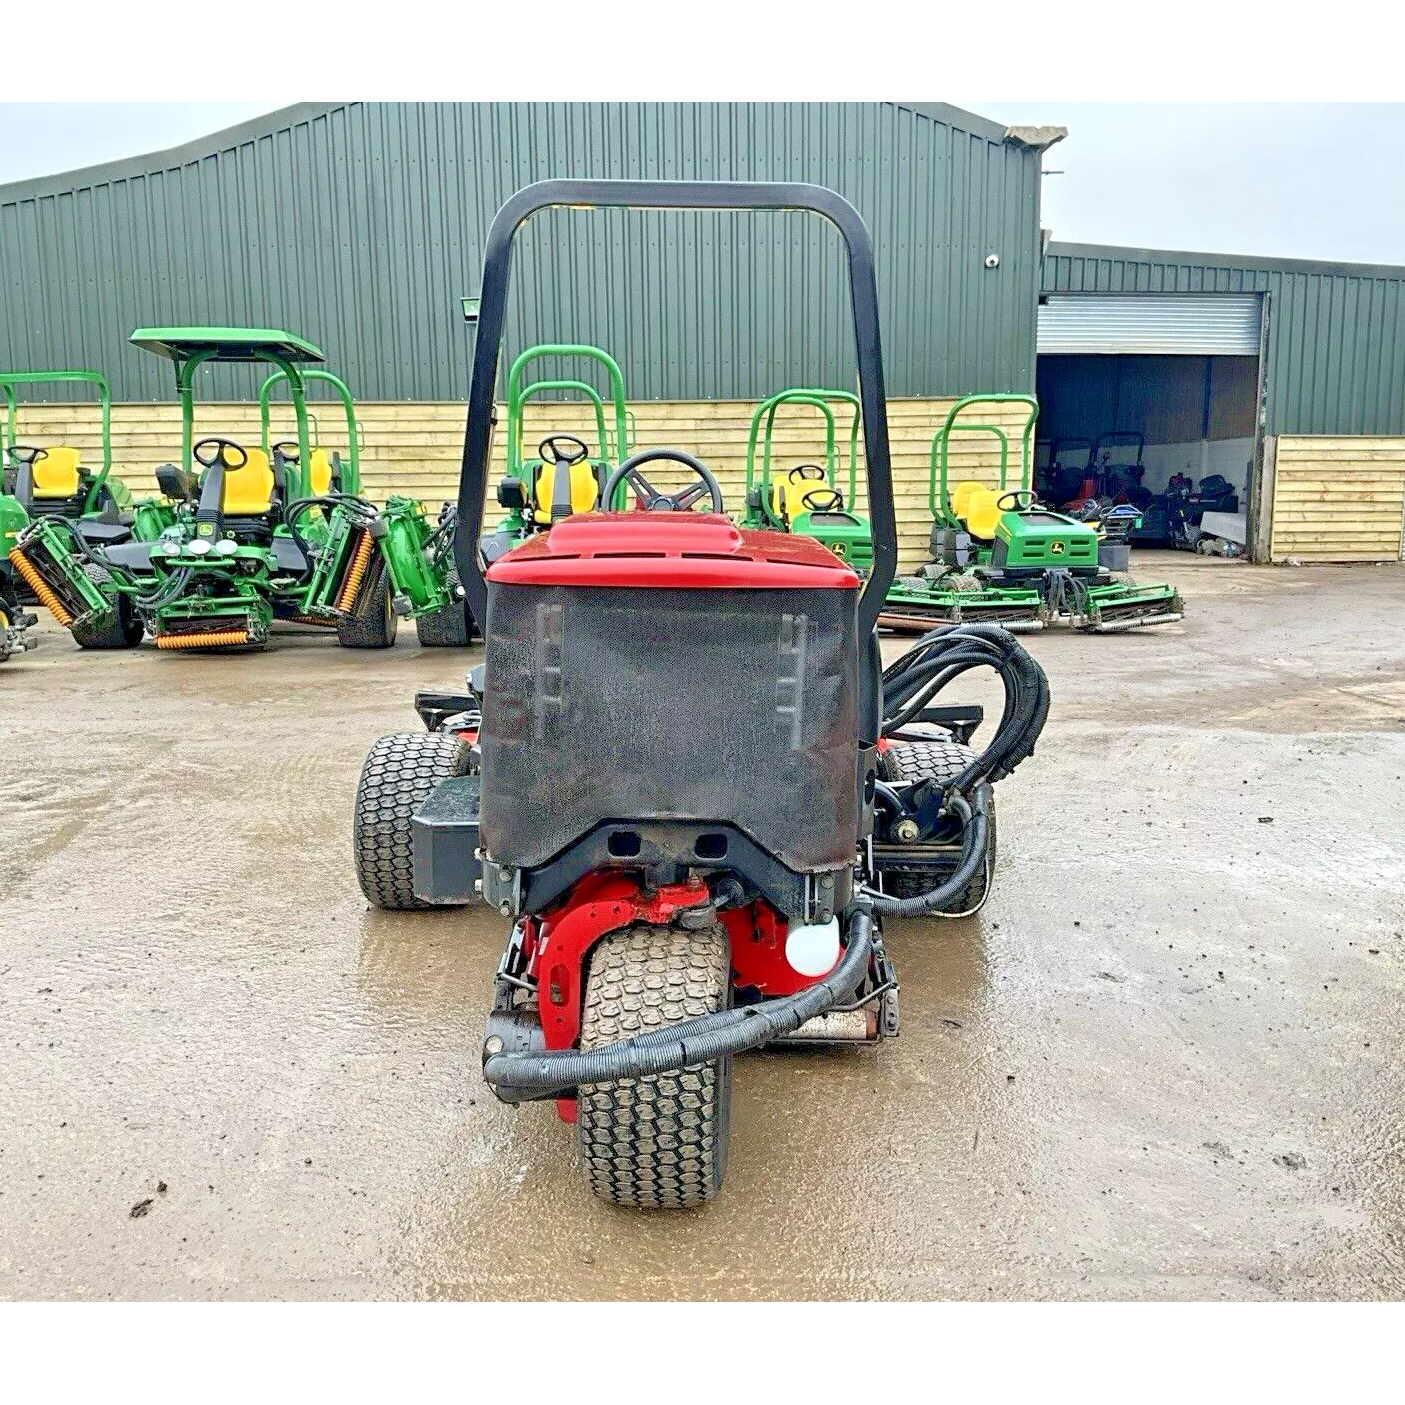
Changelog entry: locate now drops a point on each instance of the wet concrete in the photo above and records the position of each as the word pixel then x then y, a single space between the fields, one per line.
pixel 1164 1062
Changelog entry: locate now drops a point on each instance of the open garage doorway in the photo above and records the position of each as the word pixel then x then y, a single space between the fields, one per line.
pixel 1152 400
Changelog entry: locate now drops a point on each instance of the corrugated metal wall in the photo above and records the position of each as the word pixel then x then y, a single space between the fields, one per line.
pixel 360 225
pixel 1336 332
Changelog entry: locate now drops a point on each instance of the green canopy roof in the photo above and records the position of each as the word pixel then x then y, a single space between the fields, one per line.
pixel 227 343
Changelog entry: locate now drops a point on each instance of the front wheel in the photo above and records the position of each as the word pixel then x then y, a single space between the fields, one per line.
pixel 123 630
pixel 446 628
pixel 906 763
pixel 374 623
pixel 660 1141
pixel 399 773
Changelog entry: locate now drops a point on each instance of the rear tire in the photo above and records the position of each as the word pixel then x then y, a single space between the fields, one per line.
pixel 446 628
pixel 125 630
pixel 399 773
pixel 660 1141
pixel 374 623
pixel 908 762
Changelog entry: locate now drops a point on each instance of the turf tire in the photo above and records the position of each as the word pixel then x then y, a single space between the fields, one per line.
pixel 446 628
pixel 658 1142
pixel 125 630
pixel 904 763
pixel 399 772
pixel 374 623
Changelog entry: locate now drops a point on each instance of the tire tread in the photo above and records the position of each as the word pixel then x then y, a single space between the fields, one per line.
pixel 399 772
pixel 660 1141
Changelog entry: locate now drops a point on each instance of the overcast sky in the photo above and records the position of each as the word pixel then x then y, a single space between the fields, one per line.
pixel 1301 180
pixel 39 138
pixel 1304 180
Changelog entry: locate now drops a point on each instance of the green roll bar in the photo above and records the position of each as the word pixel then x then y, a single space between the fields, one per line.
pixel 186 367
pixel 315 373
pixel 189 348
pixel 517 464
pixel 938 498
pixel 10 379
pixel 820 400
pixel 517 394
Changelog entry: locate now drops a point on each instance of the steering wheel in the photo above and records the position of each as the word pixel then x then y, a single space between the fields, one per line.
pixel 1017 500
pixel 807 473
pixel 221 454
pixel 288 450
pixel 649 497
pixel 547 449
pixel 829 500
pixel 27 454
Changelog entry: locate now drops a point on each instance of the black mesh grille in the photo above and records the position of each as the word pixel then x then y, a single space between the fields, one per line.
pixel 707 705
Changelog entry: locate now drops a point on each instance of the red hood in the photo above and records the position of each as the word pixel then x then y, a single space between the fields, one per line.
pixel 688 550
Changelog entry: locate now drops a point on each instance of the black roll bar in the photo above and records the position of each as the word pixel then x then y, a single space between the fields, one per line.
pixel 677 195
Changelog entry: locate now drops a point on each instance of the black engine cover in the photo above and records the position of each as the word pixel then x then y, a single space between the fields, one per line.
pixel 710 705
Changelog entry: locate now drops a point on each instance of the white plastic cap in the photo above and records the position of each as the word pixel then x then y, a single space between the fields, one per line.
pixel 813 951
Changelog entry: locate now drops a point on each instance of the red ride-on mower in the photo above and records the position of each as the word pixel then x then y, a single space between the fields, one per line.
pixel 681 775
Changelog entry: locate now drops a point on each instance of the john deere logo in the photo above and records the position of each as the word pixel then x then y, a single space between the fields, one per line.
pixel 1056 548
pixel 837 548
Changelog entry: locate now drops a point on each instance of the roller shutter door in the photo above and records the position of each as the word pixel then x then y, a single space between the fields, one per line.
pixel 1172 324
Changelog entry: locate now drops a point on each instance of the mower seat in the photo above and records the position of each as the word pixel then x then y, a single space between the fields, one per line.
pixel 983 513
pixel 248 489
pixel 584 488
pixel 961 496
pixel 788 498
pixel 57 475
pixel 319 473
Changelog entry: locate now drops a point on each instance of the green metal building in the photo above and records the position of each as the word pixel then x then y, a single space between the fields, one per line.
pixel 361 226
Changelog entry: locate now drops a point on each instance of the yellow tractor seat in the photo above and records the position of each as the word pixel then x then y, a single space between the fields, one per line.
pixel 585 490
pixel 961 496
pixel 790 494
pixel 248 489
pixel 982 513
pixel 319 473
pixel 56 474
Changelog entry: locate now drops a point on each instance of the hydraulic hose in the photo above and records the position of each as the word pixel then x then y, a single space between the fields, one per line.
pixel 361 512
pixel 696 1041
pixel 1068 595
pixel 910 684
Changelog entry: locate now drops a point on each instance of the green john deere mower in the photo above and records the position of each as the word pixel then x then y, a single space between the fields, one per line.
pixel 806 499
pixel 52 494
pixel 563 477
pixel 273 532
pixel 15 620
pixel 1001 557
pixel 52 480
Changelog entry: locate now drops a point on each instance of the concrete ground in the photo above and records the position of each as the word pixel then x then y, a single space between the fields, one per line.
pixel 1164 1062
